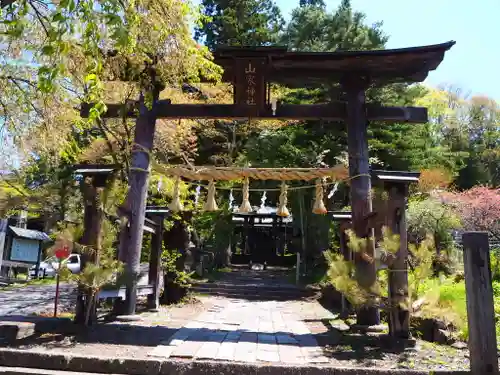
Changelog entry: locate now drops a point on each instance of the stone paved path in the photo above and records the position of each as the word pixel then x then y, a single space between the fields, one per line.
pixel 245 331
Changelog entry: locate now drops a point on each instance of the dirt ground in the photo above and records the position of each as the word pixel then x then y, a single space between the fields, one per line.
pixel 137 339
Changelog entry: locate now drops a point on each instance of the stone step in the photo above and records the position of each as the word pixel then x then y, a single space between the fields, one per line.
pixel 296 292
pixel 252 295
pixel 35 371
pixel 250 285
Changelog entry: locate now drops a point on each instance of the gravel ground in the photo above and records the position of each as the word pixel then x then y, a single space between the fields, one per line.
pixel 368 350
pixel 137 339
pixel 119 339
pixel 33 299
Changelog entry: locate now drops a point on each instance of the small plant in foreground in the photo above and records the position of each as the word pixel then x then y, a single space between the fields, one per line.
pixel 101 268
pixel 428 296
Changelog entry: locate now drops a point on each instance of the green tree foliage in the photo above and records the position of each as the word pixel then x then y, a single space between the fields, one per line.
pixel 240 23
pixel 61 55
pixel 469 130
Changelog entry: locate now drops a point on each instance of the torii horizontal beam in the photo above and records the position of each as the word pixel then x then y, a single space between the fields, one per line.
pixel 332 111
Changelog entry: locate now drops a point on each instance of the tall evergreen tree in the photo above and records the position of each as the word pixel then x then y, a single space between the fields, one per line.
pixel 312 28
pixel 240 23
pixel 315 3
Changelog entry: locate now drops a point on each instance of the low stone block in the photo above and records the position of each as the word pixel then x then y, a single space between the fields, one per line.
pixel 340 326
pixel 188 349
pixel 245 356
pixel 226 351
pixel 162 351
pixel 267 356
pixel 12 331
pixel 208 350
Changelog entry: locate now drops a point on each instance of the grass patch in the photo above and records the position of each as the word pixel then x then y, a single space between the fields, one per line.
pixel 449 301
pixel 50 314
pixel 46 281
pixel 19 285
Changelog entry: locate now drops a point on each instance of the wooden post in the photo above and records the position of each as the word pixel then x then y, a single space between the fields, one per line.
pixel 92 222
pixel 274 235
pixel 38 259
pixel 399 317
pixel 280 235
pixel 244 237
pixel 155 264
pixel 359 169
pixel 131 243
pixel 480 312
pixel 344 219
pixel 346 253
pixel 4 224
pixel 302 231
pixel 344 249
pixel 297 269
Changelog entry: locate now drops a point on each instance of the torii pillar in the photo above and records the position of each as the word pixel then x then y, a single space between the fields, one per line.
pixel 359 172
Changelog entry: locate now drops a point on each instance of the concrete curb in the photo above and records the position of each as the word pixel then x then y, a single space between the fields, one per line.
pixel 131 366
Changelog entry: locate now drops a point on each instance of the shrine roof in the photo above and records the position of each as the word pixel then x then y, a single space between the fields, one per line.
pixel 29 234
pixel 296 69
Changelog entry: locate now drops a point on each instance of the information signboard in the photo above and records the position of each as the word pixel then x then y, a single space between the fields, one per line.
pixel 24 250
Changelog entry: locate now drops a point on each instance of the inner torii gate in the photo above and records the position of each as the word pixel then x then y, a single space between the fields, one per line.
pixel 251 71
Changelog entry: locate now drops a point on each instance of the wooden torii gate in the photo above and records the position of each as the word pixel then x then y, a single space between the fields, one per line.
pixel 251 71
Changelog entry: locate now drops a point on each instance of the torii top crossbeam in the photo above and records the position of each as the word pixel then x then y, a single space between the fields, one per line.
pixel 252 69
pixel 296 69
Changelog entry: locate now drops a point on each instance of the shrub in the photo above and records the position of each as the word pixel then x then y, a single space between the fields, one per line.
pixel 430 216
pixel 428 296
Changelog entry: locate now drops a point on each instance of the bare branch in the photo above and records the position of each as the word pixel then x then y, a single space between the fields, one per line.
pixel 24 80
pixel 27 101
pixel 40 17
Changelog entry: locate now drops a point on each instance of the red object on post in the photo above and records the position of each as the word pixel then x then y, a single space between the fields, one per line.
pixel 62 253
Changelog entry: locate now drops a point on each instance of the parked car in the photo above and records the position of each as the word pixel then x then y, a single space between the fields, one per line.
pixel 48 268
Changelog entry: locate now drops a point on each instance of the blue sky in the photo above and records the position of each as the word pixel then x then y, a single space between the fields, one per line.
pixel 472 64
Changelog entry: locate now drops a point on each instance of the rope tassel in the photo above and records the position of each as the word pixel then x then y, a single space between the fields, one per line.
pixel 176 204
pixel 319 206
pixel 245 204
pixel 282 210
pixel 211 204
